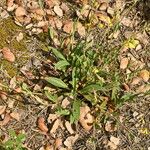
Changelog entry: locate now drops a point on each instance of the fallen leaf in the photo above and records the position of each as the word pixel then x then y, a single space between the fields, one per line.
pixel 68 26
pixel 6 120
pixel 70 141
pixel 68 127
pixel 12 83
pixel 55 126
pixel 124 63
pixel 143 89
pixel 41 124
pixel 19 37
pixel 15 115
pixel 115 140
pixel 81 29
pixel 144 74
pixel 49 147
pixel 136 81
pixel 64 7
pixel 4 14
pixel 20 11
pixel 58 143
pixel 111 145
pixel 2 109
pixel 58 10
pixel 10 3
pixel 52 117
pixel 86 119
pixel 10 103
pixel 65 102
pixel 3 95
pixel 126 87
pixel 18 90
pixel 8 55
pixel 52 3
pixel 104 18
pixel 103 6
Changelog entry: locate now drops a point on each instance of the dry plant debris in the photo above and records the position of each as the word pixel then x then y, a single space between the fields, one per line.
pixel 64 23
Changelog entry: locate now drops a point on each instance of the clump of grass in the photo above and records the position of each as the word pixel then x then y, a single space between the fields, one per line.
pixel 89 76
pixel 15 141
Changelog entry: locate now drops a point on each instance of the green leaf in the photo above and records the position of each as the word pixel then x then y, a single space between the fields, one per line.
pixel 51 97
pixel 75 111
pixel 63 112
pixel 56 82
pixel 61 64
pixel 51 33
pixel 57 53
pixel 92 87
pixel 21 137
pixel 9 144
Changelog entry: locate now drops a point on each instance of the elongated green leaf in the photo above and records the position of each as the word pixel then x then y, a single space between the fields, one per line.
pixel 61 64
pixel 63 112
pixel 75 111
pixel 51 97
pixel 51 33
pixel 56 82
pixel 57 53
pixel 91 87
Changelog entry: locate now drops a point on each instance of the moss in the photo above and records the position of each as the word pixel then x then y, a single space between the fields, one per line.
pixel 8 31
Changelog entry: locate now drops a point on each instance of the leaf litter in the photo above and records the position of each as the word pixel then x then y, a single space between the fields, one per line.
pixel 36 17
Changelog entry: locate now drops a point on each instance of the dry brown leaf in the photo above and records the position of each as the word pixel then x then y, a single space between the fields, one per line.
pixel 68 26
pixel 81 29
pixel 15 115
pixel 38 11
pixel 8 55
pixel 3 95
pixel 52 117
pixel 58 10
pixel 64 7
pixel 4 14
pixel 55 126
pixel 20 12
pixel 69 127
pixel 70 141
pixel 86 119
pixel 12 83
pixel 18 90
pixel 52 3
pixel 6 120
pixel 10 3
pixel 19 37
pixel 126 87
pixel 49 147
pixel 143 89
pixel 111 145
pixel 41 124
pixel 2 109
pixel 115 140
pixel 65 102
pixel 144 74
pixel 10 103
pixel 103 6
pixel 58 143
pixel 124 63
pixel 58 23
pixel 104 18
pixel 136 81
